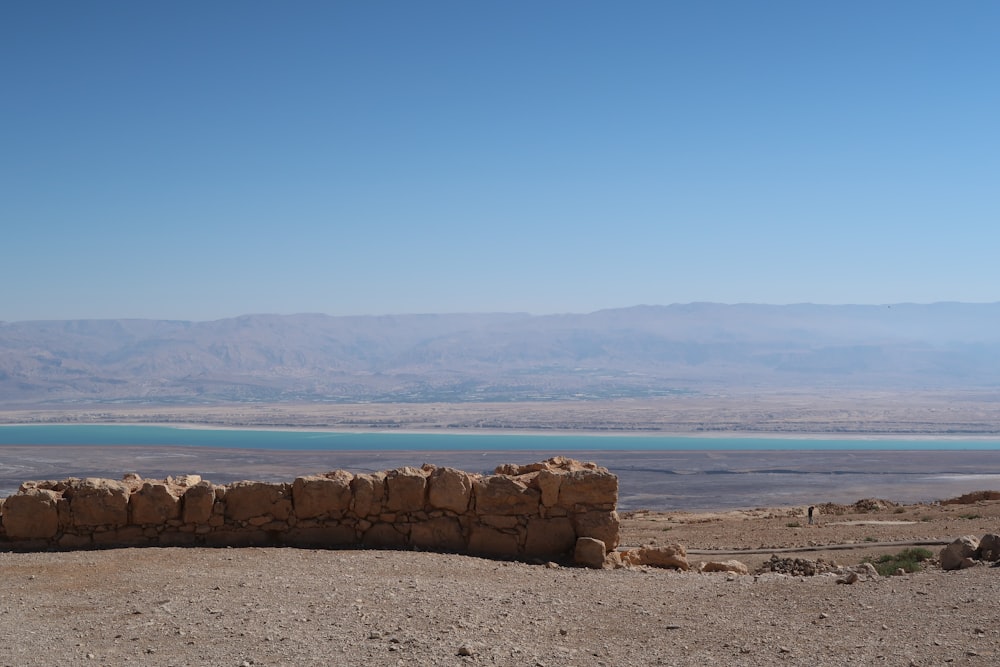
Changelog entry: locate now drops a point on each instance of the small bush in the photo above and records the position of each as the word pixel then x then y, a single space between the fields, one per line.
pixel 970 516
pixel 793 524
pixel 908 560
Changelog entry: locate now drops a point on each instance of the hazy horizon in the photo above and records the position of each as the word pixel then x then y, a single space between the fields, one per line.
pixel 510 312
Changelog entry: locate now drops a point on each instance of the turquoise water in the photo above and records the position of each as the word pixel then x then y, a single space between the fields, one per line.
pixel 103 435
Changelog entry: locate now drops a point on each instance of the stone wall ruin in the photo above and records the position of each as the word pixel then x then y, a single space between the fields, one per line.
pixel 527 512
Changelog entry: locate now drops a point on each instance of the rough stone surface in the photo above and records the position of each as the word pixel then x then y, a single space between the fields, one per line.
pixel 589 552
pixel 31 515
pixel 319 495
pixel 199 501
pixel 449 489
pixel 245 500
pixel 499 494
pixel 153 503
pixel 98 502
pixel 989 548
pixel 405 490
pixel 734 566
pixel 959 553
pixel 671 556
pixel 440 509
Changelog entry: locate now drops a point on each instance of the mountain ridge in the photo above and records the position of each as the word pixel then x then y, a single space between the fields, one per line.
pixel 643 350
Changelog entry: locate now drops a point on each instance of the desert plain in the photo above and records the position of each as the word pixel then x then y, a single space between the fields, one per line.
pixel 283 606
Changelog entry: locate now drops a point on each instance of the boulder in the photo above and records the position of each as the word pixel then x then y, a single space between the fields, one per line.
pixel 589 552
pixel 153 504
pixel 31 514
pixel 960 553
pixel 404 489
pixel 989 548
pixel 670 556
pixel 733 566
pixel 449 489
pixel 98 502
pixel 316 495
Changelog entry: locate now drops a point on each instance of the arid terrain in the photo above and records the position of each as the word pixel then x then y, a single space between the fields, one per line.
pixel 295 606
pixel 834 412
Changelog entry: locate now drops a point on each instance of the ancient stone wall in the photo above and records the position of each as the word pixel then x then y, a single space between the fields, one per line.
pixel 535 511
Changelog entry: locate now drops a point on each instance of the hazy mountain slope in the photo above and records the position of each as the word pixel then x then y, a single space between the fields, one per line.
pixel 644 350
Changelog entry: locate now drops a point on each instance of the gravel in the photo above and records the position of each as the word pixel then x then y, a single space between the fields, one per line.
pixel 295 606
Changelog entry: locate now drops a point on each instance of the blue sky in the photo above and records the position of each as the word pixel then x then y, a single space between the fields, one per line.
pixel 198 160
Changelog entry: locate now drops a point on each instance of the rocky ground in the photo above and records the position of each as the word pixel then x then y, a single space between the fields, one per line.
pixel 293 606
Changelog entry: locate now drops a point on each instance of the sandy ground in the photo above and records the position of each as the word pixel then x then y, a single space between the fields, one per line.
pixel 295 606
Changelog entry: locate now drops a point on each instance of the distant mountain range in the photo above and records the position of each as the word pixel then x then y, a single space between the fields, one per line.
pixel 638 351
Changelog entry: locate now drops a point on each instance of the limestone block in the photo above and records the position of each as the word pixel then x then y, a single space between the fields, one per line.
pixel 405 489
pixel 368 492
pixel 486 541
pixel 198 503
pixel 153 503
pixel 177 539
pixel 548 483
pixel 449 489
pixel 98 502
pixel 71 541
pixel 245 500
pixel 315 495
pixel 384 536
pixel 589 552
pixel 588 487
pixel 320 536
pixel 441 534
pixel 239 538
pixel 501 521
pixel 953 556
pixel 499 494
pixel 31 514
pixel 121 537
pixel 600 525
pixel 549 538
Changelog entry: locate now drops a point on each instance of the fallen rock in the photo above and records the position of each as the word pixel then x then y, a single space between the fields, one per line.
pixel 589 552
pixel 989 548
pixel 671 556
pixel 733 566
pixel 960 553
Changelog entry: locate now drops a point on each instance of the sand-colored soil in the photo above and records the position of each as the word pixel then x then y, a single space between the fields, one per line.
pixel 304 607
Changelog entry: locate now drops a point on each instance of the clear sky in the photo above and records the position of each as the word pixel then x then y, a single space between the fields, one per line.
pixel 198 160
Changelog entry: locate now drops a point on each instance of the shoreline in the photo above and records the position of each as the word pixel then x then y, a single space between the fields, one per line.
pixel 540 432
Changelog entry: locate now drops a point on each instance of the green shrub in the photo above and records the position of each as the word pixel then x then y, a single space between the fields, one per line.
pixel 908 560
pixel 970 516
pixel 793 524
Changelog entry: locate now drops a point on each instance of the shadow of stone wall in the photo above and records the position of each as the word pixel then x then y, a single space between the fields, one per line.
pixel 526 512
